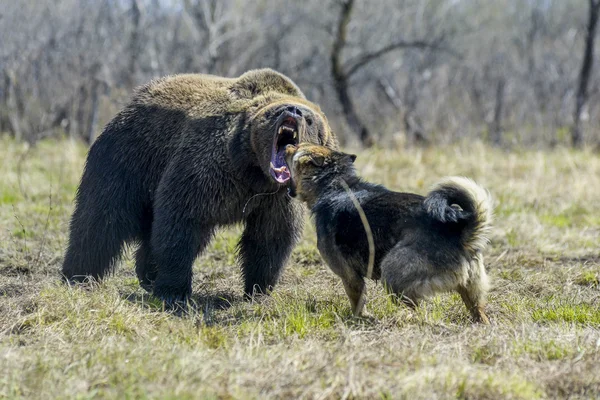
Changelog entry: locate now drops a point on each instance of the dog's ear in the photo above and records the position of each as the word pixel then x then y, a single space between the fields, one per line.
pixel 318 160
pixel 345 158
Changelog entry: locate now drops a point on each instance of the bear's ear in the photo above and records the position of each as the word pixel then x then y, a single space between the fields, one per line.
pixel 352 158
pixel 318 160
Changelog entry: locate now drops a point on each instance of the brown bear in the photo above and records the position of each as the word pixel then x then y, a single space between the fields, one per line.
pixel 188 154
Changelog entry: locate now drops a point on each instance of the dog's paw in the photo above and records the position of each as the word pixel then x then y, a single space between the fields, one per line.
pixel 483 320
pixel 366 315
pixel 480 317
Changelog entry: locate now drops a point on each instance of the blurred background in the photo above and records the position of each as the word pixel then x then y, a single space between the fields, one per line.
pixel 416 72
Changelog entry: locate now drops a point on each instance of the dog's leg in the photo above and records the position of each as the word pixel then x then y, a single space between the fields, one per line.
pixel 472 299
pixel 356 290
pixel 409 298
pixel 354 283
pixel 404 274
pixel 473 293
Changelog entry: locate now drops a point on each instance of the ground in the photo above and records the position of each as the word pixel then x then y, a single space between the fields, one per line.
pixel 114 341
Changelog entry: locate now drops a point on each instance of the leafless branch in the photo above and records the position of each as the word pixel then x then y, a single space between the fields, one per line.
pixel 364 59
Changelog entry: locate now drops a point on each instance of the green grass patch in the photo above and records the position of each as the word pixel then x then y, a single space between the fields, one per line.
pixel 512 238
pixel 494 386
pixel 214 337
pixel 300 318
pixel 23 233
pixel 560 220
pixel 488 353
pixel 588 278
pixel 9 196
pixel 543 350
pixel 511 274
pixel 583 314
pixel 573 216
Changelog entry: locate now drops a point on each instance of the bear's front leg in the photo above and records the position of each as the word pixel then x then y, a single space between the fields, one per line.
pixel 272 229
pixel 180 231
pixel 176 243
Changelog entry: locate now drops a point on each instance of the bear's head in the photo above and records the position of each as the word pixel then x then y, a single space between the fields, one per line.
pixel 286 121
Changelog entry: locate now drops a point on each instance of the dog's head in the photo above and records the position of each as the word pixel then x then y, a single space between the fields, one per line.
pixel 314 168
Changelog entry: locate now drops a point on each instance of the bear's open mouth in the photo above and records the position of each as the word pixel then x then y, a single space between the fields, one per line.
pixel 287 133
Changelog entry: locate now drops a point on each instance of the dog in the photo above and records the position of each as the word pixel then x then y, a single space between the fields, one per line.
pixel 416 245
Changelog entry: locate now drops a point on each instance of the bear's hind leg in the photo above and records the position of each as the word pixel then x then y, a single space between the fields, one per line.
pixel 145 265
pixel 96 240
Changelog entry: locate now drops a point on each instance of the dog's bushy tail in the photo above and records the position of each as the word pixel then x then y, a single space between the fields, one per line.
pixel 474 209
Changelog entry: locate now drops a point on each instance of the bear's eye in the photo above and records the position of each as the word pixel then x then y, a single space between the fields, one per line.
pixel 309 121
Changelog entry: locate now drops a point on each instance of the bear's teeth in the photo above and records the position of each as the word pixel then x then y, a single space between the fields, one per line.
pixel 281 169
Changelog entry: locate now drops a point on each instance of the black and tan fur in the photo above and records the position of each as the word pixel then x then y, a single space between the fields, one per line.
pixel 186 155
pixel 422 245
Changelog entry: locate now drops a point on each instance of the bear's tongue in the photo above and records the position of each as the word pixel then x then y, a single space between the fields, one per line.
pixel 279 168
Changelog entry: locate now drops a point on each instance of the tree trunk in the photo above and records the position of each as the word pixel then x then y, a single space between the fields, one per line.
pixel 352 118
pixel 4 122
pixel 584 75
pixel 412 123
pixel 496 130
pixel 80 115
pixel 134 43
pixel 14 116
pixel 340 78
pixel 93 124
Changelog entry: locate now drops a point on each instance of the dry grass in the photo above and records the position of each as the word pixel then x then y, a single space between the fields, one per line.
pixel 113 341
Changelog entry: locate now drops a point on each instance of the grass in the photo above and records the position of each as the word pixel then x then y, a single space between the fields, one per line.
pixel 114 341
